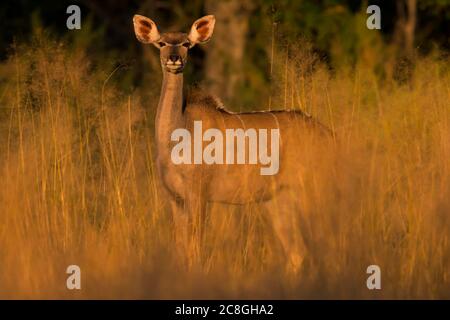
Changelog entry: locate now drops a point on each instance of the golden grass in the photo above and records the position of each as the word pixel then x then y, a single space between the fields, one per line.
pixel 79 187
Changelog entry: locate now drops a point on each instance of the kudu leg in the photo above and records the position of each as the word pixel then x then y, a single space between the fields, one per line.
pixel 284 214
pixel 195 211
pixel 188 217
pixel 181 229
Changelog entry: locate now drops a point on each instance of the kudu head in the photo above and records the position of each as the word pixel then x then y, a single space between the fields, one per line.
pixel 173 46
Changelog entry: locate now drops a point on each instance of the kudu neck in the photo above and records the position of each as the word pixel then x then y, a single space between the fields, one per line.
pixel 169 115
pixel 172 81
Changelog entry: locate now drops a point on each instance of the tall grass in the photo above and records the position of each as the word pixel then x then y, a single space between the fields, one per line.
pixel 79 187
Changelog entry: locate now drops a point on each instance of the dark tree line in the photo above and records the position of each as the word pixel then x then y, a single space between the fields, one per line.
pixel 245 31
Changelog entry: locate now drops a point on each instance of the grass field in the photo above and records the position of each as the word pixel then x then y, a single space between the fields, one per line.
pixel 79 187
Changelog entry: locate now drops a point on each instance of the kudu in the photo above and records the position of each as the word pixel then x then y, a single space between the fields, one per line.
pixel 191 186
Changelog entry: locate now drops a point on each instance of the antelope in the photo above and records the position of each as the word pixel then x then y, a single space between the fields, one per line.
pixel 189 187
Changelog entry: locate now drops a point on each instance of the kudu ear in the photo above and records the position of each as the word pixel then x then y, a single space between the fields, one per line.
pixel 145 29
pixel 202 30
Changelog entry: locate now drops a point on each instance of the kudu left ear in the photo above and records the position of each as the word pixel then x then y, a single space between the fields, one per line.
pixel 202 30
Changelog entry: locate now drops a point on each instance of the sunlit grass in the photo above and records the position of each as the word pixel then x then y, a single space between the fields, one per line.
pixel 79 187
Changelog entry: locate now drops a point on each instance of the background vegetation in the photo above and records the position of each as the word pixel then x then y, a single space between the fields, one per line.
pixel 76 149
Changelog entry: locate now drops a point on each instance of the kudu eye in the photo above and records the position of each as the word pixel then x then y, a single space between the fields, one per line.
pixel 161 44
pixel 187 44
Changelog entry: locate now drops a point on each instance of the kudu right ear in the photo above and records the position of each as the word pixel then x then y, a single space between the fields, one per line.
pixel 145 29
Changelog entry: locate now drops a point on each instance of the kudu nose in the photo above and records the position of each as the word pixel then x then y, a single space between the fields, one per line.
pixel 174 58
